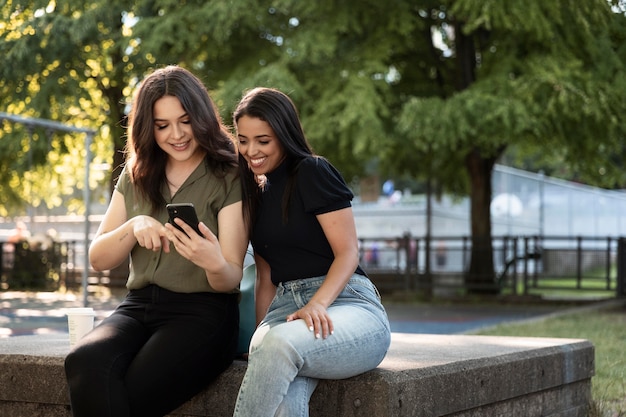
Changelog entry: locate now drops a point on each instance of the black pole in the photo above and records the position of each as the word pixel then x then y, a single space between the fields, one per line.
pixel 621 267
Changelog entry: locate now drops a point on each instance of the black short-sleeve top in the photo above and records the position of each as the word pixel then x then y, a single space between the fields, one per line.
pixel 298 248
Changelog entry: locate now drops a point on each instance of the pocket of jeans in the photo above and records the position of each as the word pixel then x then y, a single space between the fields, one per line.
pixel 367 293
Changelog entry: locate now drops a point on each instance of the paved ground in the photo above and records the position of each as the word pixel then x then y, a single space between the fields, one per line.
pixel 460 318
pixel 27 313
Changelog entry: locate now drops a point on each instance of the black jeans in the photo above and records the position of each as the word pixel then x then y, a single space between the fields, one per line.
pixel 156 351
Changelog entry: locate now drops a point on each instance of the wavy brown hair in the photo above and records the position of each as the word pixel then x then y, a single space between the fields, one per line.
pixel 145 160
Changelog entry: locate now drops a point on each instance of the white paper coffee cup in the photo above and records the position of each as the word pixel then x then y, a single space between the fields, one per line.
pixel 79 322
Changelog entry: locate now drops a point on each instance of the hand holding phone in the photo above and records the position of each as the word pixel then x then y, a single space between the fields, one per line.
pixel 185 212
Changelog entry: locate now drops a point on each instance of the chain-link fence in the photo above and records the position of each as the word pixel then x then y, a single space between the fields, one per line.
pixel 523 203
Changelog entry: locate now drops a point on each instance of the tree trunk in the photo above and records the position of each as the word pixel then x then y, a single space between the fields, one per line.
pixel 480 277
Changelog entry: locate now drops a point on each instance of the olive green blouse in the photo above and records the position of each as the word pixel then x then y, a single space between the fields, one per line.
pixel 171 271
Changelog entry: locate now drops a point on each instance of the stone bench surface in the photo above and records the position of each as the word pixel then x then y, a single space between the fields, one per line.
pixel 422 375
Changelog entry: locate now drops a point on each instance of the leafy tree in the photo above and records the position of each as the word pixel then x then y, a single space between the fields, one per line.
pixel 440 88
pixel 72 62
pixel 539 74
pixel 421 88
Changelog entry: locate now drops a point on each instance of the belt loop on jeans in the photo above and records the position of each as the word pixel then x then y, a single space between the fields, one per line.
pixel 280 289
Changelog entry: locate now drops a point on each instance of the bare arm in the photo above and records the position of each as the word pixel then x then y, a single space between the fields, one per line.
pixel 222 259
pixel 117 235
pixel 264 288
pixel 340 231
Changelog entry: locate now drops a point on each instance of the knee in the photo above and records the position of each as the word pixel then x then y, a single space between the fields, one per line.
pixel 89 358
pixel 75 365
pixel 72 360
pixel 275 343
pixel 78 359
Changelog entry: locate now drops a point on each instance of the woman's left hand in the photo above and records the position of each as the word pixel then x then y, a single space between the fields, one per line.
pixel 204 251
pixel 316 318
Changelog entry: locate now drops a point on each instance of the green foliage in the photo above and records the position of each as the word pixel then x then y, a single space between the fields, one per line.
pixel 585 139
pixel 410 87
pixel 70 62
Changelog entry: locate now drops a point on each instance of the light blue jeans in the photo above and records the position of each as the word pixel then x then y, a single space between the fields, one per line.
pixel 286 360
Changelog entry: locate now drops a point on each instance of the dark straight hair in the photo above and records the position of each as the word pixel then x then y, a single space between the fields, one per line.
pixel 279 111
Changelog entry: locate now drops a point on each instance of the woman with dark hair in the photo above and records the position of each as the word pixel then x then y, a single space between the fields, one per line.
pixel 177 328
pixel 320 316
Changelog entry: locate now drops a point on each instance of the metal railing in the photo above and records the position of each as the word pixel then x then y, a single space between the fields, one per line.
pixel 48 266
pixel 522 264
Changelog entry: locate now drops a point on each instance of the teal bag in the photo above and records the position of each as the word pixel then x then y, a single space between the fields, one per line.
pixel 247 315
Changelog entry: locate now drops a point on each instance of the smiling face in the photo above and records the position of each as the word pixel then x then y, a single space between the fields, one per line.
pixel 172 130
pixel 259 145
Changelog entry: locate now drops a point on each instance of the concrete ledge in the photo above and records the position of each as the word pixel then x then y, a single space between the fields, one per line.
pixel 422 375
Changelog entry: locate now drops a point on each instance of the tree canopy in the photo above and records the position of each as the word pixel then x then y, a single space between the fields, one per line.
pixel 439 88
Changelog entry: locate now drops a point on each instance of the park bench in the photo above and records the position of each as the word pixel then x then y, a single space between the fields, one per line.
pixel 422 375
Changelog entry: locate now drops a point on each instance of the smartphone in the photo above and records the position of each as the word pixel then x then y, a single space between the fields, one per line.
pixel 186 212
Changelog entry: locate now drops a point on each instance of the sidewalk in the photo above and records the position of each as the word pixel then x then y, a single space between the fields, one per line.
pixel 28 313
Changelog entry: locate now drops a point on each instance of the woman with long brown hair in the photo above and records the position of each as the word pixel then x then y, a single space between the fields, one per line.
pixel 177 328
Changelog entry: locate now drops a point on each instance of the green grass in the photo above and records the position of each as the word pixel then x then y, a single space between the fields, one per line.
pixel 566 287
pixel 606 329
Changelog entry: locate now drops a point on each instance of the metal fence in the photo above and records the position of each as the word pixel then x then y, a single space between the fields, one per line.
pixel 522 264
pixel 523 204
pixel 530 203
pixel 47 266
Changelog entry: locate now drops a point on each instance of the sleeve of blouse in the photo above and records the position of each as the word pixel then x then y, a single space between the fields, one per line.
pixel 123 182
pixel 321 187
pixel 233 189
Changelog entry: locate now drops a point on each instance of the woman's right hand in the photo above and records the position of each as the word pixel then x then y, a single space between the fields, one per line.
pixel 111 247
pixel 150 233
